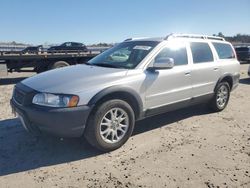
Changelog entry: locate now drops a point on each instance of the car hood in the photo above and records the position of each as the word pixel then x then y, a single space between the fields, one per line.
pixel 74 79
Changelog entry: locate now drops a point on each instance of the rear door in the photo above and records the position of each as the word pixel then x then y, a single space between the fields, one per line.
pixel 205 70
pixel 227 59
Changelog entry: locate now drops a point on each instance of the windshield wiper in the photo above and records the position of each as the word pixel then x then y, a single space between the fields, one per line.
pixel 105 65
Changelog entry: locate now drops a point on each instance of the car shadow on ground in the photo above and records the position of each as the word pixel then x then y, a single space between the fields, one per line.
pixel 19 151
pixel 168 118
pixel 9 81
pixel 245 81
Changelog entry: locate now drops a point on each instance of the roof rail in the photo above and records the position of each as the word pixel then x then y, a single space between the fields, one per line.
pixel 137 38
pixel 129 39
pixel 193 36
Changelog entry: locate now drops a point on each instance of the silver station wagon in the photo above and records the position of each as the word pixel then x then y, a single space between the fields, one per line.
pixel 138 78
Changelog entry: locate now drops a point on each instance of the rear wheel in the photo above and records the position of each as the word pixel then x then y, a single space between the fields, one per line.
pixel 110 125
pixel 59 64
pixel 221 97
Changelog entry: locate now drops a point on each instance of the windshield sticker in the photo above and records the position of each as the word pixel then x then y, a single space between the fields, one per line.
pixel 142 47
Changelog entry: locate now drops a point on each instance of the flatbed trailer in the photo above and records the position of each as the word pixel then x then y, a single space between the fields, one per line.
pixel 40 62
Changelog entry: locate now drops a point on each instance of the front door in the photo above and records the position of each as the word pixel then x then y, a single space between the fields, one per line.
pixel 167 86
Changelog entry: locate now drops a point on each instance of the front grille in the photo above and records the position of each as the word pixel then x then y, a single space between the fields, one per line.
pixel 19 96
pixel 23 94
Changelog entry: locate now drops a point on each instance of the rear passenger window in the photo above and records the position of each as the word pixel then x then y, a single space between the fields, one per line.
pixel 178 54
pixel 224 51
pixel 201 52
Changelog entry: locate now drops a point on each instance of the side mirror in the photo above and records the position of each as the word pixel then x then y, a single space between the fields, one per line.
pixel 163 63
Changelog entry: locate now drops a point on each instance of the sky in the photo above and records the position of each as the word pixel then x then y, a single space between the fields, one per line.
pixel 94 21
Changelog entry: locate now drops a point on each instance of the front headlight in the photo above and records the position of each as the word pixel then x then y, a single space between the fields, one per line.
pixel 55 100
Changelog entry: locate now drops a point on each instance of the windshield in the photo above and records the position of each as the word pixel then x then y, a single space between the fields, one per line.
pixel 125 55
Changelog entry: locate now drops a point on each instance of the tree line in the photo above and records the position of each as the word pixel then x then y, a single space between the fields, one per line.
pixel 239 38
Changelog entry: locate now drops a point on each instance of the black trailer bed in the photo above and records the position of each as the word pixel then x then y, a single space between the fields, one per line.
pixel 44 61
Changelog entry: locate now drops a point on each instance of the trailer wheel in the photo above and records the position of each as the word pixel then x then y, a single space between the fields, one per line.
pixel 59 64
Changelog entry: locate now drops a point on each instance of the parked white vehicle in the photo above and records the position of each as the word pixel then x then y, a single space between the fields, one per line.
pixel 102 99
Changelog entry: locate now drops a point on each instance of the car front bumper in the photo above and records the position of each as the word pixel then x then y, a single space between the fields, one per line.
pixel 61 122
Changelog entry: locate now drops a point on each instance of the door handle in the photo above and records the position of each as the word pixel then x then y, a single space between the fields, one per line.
pixel 216 68
pixel 187 73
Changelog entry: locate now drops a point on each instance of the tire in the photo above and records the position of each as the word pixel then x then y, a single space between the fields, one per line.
pixel 59 64
pixel 221 97
pixel 97 125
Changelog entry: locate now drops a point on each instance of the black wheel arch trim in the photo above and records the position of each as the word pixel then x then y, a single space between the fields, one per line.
pixel 233 77
pixel 118 89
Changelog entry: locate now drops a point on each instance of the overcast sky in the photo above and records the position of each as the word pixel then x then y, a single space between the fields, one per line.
pixel 96 21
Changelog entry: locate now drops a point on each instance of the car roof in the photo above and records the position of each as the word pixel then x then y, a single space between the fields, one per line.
pixel 72 42
pixel 242 46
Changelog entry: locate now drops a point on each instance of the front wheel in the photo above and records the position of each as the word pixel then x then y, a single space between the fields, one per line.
pixel 221 97
pixel 110 125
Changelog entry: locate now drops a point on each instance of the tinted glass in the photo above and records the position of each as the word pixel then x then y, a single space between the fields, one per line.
pixel 68 44
pixel 178 54
pixel 63 44
pixel 76 44
pixel 242 49
pixel 224 51
pixel 201 52
pixel 124 55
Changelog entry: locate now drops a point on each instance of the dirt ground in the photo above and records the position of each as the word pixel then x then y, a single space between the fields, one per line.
pixel 187 148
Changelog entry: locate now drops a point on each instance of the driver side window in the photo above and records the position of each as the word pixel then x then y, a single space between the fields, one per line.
pixel 179 55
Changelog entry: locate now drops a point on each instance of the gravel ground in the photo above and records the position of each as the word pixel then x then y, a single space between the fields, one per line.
pixel 187 148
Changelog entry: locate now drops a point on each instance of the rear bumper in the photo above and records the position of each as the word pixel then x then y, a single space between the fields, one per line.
pixel 61 122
